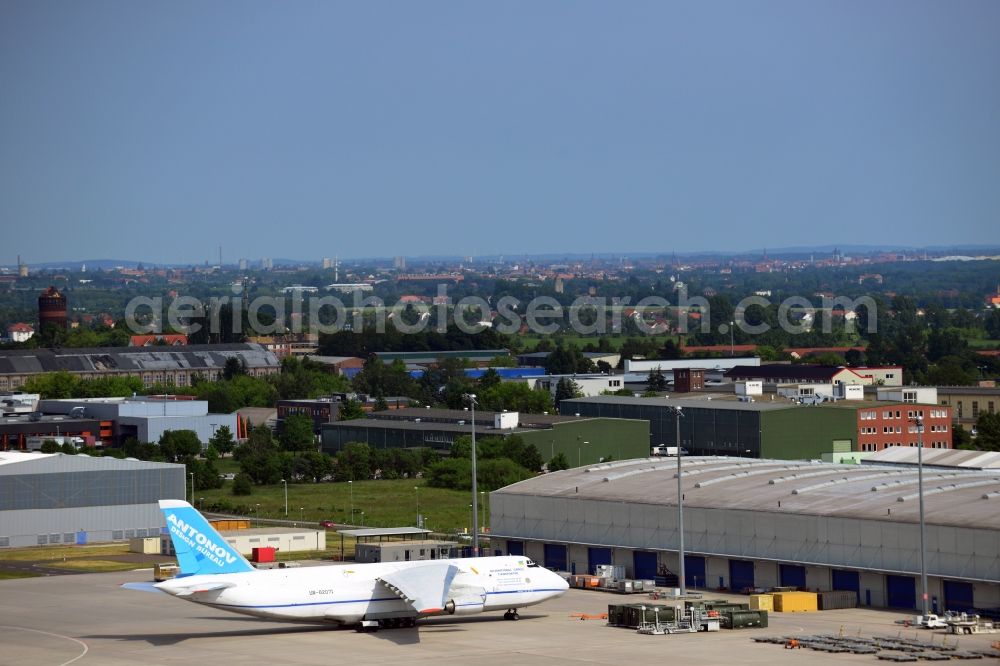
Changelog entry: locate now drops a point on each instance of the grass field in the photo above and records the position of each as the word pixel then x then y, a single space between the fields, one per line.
pixel 376 504
pixel 11 575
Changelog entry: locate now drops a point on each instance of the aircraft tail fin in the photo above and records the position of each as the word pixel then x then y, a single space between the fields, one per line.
pixel 200 549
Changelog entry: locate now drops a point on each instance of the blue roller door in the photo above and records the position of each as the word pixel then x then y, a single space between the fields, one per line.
pixel 958 596
pixel 846 580
pixel 555 557
pixel 515 548
pixel 792 575
pixel 901 592
pixel 694 570
pixel 644 564
pixel 740 575
pixel 597 557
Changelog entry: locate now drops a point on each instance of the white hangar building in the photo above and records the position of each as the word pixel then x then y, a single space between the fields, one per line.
pixel 53 498
pixel 763 523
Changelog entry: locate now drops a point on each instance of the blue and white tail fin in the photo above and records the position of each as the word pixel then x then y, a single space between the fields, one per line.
pixel 200 549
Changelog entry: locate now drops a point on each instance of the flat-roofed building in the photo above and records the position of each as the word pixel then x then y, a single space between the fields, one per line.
pixel 777 427
pixel 579 439
pixel 763 523
pixel 968 402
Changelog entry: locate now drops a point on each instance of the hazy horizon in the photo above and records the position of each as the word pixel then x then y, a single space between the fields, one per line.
pixel 156 132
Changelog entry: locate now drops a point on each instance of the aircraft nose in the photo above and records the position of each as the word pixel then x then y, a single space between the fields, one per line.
pixel 560 583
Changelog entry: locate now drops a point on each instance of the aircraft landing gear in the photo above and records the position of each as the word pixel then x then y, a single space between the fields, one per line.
pixel 511 615
pixel 368 625
pixel 388 623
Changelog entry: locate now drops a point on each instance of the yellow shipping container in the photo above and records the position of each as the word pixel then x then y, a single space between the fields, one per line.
pixel 764 602
pixel 795 602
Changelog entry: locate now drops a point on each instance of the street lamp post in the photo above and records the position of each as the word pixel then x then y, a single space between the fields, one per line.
pixel 471 397
pixel 482 503
pixel 191 474
pixel 919 421
pixel 286 496
pixel 416 491
pixel 350 485
pixel 201 503
pixel 732 330
pixel 302 514
pixel 681 578
pixel 257 511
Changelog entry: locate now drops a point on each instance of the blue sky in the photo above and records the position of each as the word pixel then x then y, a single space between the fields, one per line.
pixel 157 131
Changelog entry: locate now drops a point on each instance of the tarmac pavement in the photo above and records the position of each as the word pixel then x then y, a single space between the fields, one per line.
pixel 86 619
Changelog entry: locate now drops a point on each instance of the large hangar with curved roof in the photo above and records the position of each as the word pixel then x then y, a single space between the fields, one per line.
pixel 761 523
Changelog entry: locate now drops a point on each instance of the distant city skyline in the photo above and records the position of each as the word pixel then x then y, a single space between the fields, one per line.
pixel 818 253
pixel 156 132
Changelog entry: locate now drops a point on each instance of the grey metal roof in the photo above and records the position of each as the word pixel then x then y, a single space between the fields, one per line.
pixel 384 531
pixel 427 426
pixel 956 497
pixel 456 415
pixel 702 401
pixel 15 462
pixel 968 390
pixel 133 359
pixel 904 455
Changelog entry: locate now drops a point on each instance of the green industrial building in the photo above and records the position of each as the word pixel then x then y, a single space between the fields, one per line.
pixel 778 429
pixel 583 440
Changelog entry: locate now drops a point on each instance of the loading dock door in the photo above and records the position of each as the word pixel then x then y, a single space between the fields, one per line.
pixel 694 570
pixel 644 565
pixel 597 557
pixel 555 557
pixel 958 596
pixel 740 575
pixel 846 580
pixel 901 592
pixel 515 548
pixel 792 575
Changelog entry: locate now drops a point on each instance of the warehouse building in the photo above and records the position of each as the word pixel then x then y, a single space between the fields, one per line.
pixel 144 418
pixel 764 523
pixel 774 428
pixel 29 432
pixel 77 499
pixel 581 440
pixel 175 366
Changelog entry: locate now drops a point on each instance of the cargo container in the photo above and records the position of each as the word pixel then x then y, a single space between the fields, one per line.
pixel 230 524
pixel 633 615
pixel 838 599
pixel 795 602
pixel 738 619
pixel 263 554
pixel 162 572
pixel 726 607
pixel 144 545
pixel 612 571
pixel 584 581
pixel 761 602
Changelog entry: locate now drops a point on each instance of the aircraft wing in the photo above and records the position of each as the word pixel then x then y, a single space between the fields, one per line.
pixel 143 587
pixel 425 587
pixel 187 591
